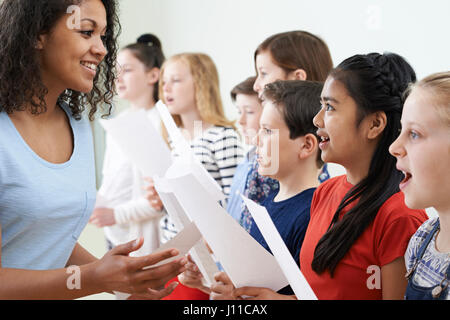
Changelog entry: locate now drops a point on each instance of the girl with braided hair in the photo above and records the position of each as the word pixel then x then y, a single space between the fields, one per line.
pixel 360 226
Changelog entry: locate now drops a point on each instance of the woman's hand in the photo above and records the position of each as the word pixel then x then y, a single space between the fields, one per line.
pixel 223 288
pixel 117 271
pixel 152 195
pixel 256 293
pixel 102 217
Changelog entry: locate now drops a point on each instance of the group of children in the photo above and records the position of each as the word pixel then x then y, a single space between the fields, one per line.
pixel 362 235
pixel 296 115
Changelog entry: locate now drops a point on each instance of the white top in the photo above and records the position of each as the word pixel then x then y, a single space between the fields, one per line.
pixel 122 190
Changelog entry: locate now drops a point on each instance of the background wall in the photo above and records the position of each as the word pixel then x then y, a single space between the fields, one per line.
pixel 230 30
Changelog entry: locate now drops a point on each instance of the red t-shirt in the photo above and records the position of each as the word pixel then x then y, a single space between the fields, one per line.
pixel 384 240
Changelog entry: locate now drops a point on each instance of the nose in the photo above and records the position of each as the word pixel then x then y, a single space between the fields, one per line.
pixel 241 119
pixel 99 48
pixel 318 119
pixel 397 149
pixel 257 86
pixel 165 86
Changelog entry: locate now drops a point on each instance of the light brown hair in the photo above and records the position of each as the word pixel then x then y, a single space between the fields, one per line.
pixel 299 50
pixel 206 86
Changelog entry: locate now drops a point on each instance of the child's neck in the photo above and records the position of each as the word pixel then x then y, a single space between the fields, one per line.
pixel 296 182
pixel 193 125
pixel 145 103
pixel 443 238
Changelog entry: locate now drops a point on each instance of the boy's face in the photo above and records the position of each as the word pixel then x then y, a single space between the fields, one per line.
pixel 277 153
pixel 249 110
pixel 423 153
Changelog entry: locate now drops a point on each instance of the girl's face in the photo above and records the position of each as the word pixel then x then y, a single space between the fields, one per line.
pixel 134 80
pixel 277 153
pixel 267 72
pixel 423 153
pixel 70 54
pixel 178 88
pixel 342 139
pixel 249 110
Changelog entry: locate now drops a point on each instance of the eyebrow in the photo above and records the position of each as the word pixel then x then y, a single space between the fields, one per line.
pixel 329 99
pixel 94 23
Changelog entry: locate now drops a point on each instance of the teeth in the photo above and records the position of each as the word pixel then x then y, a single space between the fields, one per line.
pixel 324 138
pixel 89 65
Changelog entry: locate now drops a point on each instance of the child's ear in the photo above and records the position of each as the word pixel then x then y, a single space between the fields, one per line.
pixel 298 74
pixel 308 147
pixel 153 75
pixel 377 123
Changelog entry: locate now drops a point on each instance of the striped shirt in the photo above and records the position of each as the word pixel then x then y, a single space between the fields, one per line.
pixel 220 151
pixel 433 266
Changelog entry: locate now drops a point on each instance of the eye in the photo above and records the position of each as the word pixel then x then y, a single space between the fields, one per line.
pixel 328 107
pixel 266 131
pixel 87 33
pixel 413 135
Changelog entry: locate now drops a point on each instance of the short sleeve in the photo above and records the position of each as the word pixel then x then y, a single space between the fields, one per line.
pixel 395 238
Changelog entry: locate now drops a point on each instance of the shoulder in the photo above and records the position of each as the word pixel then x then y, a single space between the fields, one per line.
pixel 395 209
pixel 217 133
pixel 331 183
pixel 329 187
pixel 416 241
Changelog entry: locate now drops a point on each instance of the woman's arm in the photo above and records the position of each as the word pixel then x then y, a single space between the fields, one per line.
pixel 115 271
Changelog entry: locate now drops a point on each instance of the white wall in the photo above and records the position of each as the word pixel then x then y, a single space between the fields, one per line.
pixel 230 30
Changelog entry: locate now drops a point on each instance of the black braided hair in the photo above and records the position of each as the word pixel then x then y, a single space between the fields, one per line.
pixel 376 82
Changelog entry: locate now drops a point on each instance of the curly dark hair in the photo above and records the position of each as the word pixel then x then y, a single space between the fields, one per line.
pixel 21 23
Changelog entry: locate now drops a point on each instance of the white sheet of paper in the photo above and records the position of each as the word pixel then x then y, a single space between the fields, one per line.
pixel 183 242
pixel 245 261
pixel 187 160
pixel 140 142
pixel 276 244
pixel 199 252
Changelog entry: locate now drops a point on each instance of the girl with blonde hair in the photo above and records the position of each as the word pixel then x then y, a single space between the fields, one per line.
pixel 189 87
pixel 423 153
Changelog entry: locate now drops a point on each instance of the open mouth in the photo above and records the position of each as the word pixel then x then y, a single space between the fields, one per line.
pixel 324 140
pixel 407 177
pixel 169 100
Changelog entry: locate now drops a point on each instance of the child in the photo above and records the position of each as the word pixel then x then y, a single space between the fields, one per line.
pixel 249 110
pixel 126 213
pixel 359 227
pixel 287 151
pixel 51 71
pixel 423 154
pixel 293 55
pixel 190 88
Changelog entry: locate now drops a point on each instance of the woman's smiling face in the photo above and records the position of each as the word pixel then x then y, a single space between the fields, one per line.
pixel 70 53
